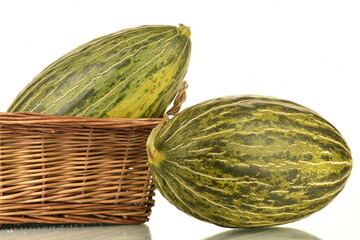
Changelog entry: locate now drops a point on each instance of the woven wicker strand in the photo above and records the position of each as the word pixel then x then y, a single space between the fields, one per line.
pixel 60 169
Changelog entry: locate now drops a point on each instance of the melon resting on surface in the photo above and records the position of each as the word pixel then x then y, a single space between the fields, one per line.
pixel 248 161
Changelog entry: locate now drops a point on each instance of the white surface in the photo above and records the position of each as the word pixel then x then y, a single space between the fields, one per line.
pixel 304 51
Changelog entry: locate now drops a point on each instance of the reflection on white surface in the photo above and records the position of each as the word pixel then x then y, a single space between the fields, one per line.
pixel 122 232
pixel 274 233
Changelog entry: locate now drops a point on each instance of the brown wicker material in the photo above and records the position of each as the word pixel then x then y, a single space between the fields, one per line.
pixel 59 170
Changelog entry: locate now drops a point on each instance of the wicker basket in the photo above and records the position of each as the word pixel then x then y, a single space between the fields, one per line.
pixel 59 170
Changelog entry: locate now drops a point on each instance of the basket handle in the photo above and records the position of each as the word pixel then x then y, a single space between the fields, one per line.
pixel 179 100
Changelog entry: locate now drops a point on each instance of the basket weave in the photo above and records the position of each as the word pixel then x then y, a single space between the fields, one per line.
pixel 59 170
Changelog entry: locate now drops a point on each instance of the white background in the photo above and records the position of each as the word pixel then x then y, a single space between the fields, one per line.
pixel 304 51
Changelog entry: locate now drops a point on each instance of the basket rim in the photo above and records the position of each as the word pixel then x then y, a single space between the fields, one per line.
pixel 40 118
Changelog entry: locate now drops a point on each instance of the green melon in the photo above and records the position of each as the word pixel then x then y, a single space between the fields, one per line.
pixel 133 73
pixel 248 161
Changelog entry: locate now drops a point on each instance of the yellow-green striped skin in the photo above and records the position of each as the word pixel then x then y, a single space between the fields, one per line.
pixel 248 161
pixel 134 73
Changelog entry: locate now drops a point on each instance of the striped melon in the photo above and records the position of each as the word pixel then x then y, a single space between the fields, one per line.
pixel 132 73
pixel 248 161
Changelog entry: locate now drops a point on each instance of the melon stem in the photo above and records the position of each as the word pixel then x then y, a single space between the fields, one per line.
pixel 184 30
pixel 154 156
